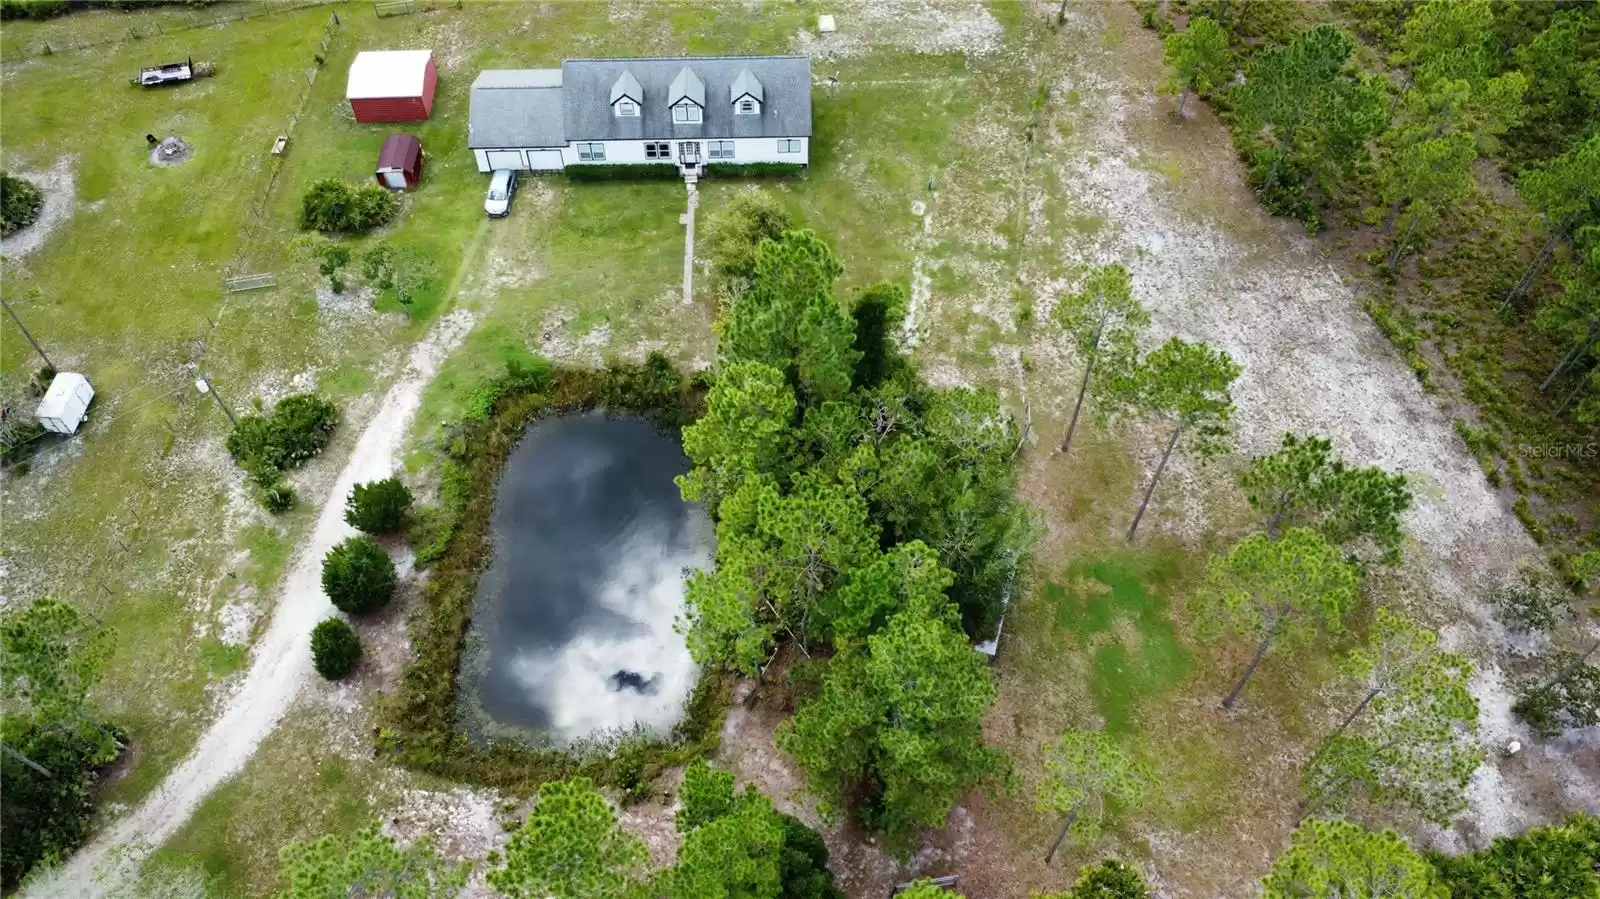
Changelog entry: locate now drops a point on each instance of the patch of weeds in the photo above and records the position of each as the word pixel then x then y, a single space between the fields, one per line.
pixel 219 659
pixel 1400 327
pixel 1484 447
pixel 1114 604
pixel 1536 528
pixel 268 551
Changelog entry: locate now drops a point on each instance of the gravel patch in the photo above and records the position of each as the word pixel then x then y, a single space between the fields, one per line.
pixel 917 26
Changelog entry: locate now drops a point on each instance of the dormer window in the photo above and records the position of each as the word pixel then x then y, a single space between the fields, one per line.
pixel 686 114
pixel 746 94
pixel 687 98
pixel 626 95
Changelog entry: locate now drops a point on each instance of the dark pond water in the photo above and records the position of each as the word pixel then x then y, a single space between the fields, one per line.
pixel 572 632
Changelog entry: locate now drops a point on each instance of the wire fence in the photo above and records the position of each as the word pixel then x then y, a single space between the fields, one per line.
pixel 211 17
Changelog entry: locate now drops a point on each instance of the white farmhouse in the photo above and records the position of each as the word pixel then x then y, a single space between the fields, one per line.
pixel 684 111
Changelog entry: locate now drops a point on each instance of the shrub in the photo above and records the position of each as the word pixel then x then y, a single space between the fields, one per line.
pixel 358 575
pixel 634 171
pixel 1567 697
pixel 20 202
pixel 335 648
pixel 1531 603
pixel 43 818
pixel 335 207
pixel 298 428
pixel 804 863
pixel 734 232
pixel 1555 862
pixel 278 498
pixel 378 507
pixel 1110 879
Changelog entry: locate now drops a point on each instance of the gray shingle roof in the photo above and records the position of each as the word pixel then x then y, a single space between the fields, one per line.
pixel 785 107
pixel 687 86
pixel 627 86
pixel 746 83
pixel 516 108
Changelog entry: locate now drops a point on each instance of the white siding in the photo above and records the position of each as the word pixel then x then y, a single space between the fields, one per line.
pixel 745 150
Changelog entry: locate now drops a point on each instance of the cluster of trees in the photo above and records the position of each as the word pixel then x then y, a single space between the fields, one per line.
pixel 334 207
pixel 20 202
pixel 861 516
pixel 571 846
pixel 265 446
pixel 1408 740
pixel 51 745
pixel 1515 82
pixel 401 273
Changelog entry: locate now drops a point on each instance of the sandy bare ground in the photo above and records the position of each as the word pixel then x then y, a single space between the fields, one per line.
pixel 280 664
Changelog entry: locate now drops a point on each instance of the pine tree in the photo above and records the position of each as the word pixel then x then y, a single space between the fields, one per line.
pixel 747 430
pixel 1083 770
pixel 899 723
pixel 570 847
pixel 1103 321
pixel 1278 592
pixel 1185 385
pixel 1199 57
pixel 1337 858
pixel 1303 484
pixel 1411 740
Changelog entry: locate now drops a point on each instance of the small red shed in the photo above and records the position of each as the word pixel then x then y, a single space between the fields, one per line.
pixel 400 162
pixel 392 85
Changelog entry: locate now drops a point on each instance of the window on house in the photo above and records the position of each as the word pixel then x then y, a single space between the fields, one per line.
pixel 788 145
pixel 657 151
pixel 686 114
pixel 721 149
pixel 626 107
pixel 592 152
pixel 747 106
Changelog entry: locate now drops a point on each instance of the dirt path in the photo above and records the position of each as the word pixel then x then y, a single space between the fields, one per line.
pixel 281 661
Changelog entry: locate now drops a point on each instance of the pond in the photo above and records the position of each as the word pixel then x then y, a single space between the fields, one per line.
pixel 572 628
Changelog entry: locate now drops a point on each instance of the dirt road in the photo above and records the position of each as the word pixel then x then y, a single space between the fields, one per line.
pixel 280 663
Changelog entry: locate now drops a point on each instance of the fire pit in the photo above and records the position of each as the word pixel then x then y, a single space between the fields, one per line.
pixel 170 151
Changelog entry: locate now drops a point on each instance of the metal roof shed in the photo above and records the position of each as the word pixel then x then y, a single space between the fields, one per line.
pixel 400 162
pixel 392 85
pixel 66 403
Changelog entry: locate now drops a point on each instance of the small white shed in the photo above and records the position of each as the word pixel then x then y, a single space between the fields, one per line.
pixel 66 403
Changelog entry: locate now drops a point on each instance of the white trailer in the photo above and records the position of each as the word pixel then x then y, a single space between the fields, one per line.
pixel 66 403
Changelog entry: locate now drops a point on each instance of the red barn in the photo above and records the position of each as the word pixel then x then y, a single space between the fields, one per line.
pixel 392 85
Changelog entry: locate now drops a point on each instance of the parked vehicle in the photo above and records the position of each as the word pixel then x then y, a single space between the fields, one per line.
pixel 502 185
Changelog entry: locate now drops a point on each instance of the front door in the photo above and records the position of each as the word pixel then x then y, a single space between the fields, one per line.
pixel 689 152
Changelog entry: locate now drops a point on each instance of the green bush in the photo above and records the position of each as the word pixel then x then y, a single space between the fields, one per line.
pixel 335 207
pixel 335 648
pixel 631 171
pixel 734 232
pixel 752 169
pixel 358 575
pixel 1110 879
pixel 1555 862
pixel 378 507
pixel 804 863
pixel 43 818
pixel 298 428
pixel 1565 697
pixel 278 498
pixel 20 202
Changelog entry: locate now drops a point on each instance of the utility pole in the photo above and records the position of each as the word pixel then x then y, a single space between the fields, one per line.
pixel 204 385
pixel 24 329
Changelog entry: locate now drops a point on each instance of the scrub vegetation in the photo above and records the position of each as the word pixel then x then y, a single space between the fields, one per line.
pixel 1452 145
